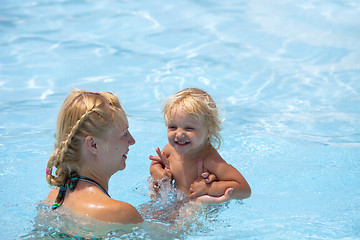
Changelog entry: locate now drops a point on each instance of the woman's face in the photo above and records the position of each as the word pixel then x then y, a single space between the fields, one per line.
pixel 114 148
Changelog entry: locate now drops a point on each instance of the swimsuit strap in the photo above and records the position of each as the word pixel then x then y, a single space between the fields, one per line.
pixel 71 184
pixel 89 180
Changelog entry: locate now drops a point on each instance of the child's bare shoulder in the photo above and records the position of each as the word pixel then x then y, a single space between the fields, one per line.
pixel 213 159
pixel 167 147
pixel 168 150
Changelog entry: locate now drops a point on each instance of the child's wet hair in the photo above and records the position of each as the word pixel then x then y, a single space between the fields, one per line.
pixel 82 114
pixel 197 103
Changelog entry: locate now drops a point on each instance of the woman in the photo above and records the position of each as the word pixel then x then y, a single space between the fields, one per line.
pixel 92 140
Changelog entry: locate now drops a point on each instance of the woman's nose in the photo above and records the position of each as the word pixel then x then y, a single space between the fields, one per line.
pixel 131 139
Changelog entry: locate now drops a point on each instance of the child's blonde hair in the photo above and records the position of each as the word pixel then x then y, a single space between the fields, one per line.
pixel 82 114
pixel 197 103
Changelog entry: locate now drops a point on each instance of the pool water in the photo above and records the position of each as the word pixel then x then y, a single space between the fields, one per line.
pixel 285 73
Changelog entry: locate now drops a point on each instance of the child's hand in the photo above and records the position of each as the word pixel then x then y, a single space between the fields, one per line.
pixel 161 174
pixel 161 158
pixel 160 167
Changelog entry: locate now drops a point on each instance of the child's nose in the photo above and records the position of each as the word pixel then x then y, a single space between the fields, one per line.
pixel 180 134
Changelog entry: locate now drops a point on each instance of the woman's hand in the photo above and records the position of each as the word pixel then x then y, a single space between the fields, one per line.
pixel 208 177
pixel 200 186
pixel 207 199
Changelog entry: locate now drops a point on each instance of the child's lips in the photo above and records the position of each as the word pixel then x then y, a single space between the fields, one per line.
pixel 181 143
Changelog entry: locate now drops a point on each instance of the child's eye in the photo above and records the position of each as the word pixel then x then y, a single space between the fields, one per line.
pixel 171 127
pixel 190 128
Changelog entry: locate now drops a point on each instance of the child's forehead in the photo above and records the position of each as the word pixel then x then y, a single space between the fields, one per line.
pixel 179 113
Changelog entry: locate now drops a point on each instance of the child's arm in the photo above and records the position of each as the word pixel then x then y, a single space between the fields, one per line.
pixel 228 177
pixel 159 176
pixel 160 166
pixel 158 171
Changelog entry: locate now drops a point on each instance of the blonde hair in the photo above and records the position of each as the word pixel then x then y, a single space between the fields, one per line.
pixel 82 114
pixel 197 103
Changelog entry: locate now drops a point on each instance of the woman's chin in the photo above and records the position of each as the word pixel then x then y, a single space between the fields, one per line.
pixel 122 166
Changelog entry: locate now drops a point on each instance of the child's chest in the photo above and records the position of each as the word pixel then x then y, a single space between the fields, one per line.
pixel 184 172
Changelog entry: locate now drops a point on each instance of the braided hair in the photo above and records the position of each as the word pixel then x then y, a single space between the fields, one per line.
pixel 82 114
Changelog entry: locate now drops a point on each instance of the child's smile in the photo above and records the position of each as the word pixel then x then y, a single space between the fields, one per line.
pixel 181 143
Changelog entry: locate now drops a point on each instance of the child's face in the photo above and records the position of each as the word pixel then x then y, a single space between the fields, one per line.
pixel 186 133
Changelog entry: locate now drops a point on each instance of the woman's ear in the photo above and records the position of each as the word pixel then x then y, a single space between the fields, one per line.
pixel 90 144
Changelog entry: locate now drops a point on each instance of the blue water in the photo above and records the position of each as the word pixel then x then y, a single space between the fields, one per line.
pixel 285 73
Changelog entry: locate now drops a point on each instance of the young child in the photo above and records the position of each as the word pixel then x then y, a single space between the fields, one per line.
pixel 191 157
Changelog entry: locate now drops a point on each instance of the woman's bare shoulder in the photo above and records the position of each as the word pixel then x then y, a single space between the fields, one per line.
pixel 98 206
pixel 119 212
pixel 94 203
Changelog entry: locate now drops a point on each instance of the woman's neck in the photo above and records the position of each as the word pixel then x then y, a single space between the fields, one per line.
pixel 97 177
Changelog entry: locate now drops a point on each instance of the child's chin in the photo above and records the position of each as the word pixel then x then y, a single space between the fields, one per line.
pixel 182 149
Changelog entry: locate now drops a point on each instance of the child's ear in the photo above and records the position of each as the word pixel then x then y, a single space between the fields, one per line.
pixel 90 144
pixel 208 135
